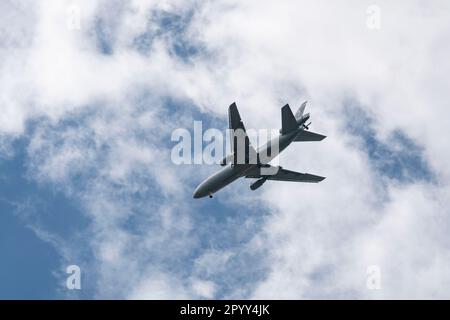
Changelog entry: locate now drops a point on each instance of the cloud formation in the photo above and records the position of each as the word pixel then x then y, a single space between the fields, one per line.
pixel 97 105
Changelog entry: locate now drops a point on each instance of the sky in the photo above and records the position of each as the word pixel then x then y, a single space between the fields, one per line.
pixel 91 92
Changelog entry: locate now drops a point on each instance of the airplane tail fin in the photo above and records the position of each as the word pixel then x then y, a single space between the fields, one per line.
pixel 288 121
pixel 301 117
pixel 291 122
pixel 300 111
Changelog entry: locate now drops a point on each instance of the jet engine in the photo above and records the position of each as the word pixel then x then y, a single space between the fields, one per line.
pixel 258 183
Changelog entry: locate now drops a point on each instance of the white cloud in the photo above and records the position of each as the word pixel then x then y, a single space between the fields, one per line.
pixel 159 287
pixel 319 238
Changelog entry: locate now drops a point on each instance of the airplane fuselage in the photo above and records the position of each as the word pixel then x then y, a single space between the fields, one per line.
pixel 230 172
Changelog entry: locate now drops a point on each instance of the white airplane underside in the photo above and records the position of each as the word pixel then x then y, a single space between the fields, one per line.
pixel 245 161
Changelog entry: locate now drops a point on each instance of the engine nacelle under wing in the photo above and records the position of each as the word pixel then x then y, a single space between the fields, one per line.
pixel 258 183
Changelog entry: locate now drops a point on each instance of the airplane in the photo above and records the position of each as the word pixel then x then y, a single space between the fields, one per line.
pixel 245 161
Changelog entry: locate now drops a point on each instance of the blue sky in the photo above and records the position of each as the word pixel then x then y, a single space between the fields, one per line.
pixel 33 269
pixel 29 263
pixel 85 144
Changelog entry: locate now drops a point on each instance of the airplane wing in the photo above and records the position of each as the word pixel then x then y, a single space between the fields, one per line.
pixel 243 151
pixel 309 136
pixel 234 118
pixel 285 175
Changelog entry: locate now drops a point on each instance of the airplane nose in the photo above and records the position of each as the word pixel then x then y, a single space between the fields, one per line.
pixel 202 190
pixel 198 193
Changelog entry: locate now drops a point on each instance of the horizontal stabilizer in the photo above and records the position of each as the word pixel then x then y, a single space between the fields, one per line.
pixel 309 136
pixel 288 121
